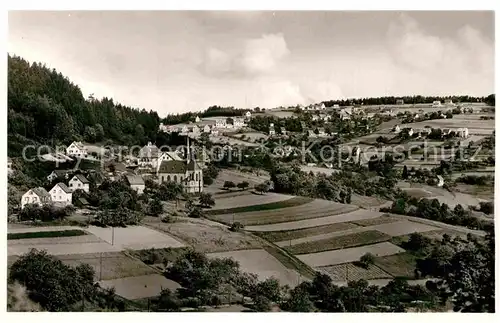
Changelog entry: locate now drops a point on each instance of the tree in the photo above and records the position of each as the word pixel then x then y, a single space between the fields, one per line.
pixel 405 172
pixel 367 260
pixel 229 185
pixel 261 304
pixel 299 300
pixel 270 289
pixel 99 132
pixel 243 185
pixel 206 200
pixel 155 207
pixel 56 286
pixel 236 227
pixel 195 212
pixel 261 188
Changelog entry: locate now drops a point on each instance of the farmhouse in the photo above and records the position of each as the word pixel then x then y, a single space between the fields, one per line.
pixel 79 182
pixel 449 102
pixel 76 149
pixel 197 119
pixel 248 115
pixel 238 122
pixel 187 173
pixel 62 174
pixel 148 156
pixel 136 183
pixel 37 196
pixel 462 132
pixel 61 194
pixel 396 129
pixel 400 102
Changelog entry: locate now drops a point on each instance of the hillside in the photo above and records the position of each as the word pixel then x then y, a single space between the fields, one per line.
pixel 45 107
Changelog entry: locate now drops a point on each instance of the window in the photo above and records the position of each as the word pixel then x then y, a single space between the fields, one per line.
pixel 27 199
pixel 197 178
pixel 168 178
pixel 175 178
pixel 79 184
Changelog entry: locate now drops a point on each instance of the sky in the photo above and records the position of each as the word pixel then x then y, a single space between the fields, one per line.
pixel 178 61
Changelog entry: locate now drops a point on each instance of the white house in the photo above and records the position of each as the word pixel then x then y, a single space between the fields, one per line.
pixel 400 102
pixel 336 106
pixel 239 122
pixel 37 196
pixel 136 183
pixel 61 194
pixel 248 114
pixel 148 156
pixel 462 132
pixel 197 119
pixel 436 103
pixel 397 129
pixel 76 149
pixel 272 132
pixel 321 132
pixel 315 117
pixel 206 129
pixel 220 123
pixel 79 182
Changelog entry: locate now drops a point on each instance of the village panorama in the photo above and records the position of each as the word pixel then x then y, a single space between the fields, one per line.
pixel 291 199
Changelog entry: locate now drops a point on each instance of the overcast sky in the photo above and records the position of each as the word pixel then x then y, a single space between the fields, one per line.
pixel 179 61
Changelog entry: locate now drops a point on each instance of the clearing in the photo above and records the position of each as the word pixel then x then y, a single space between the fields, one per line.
pixel 261 263
pixel 335 257
pixel 339 242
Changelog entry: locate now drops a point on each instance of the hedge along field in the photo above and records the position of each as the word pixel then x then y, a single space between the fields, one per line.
pixel 45 234
pixel 339 242
pixel 294 201
pixel 314 209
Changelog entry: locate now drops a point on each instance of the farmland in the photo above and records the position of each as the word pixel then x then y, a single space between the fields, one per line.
pixel 349 271
pixel 109 265
pixel 275 236
pixel 359 214
pixel 140 286
pixel 205 236
pixel 339 242
pixel 398 265
pixel 334 257
pixel 261 263
pixel 313 210
pixel 400 228
pixel 273 201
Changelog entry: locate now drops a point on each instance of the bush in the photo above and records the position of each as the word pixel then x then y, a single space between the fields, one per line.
pixel 229 185
pixel 236 227
pixel 486 207
pixel 196 212
pixel 261 304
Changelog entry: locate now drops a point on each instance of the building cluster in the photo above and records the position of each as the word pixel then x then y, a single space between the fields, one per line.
pixel 210 125
pixel 60 194
pixel 420 132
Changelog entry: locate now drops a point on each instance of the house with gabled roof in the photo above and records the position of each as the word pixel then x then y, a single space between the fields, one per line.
pixel 61 174
pixel 79 182
pixel 148 156
pixel 136 183
pixel 77 149
pixel 61 194
pixel 37 195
